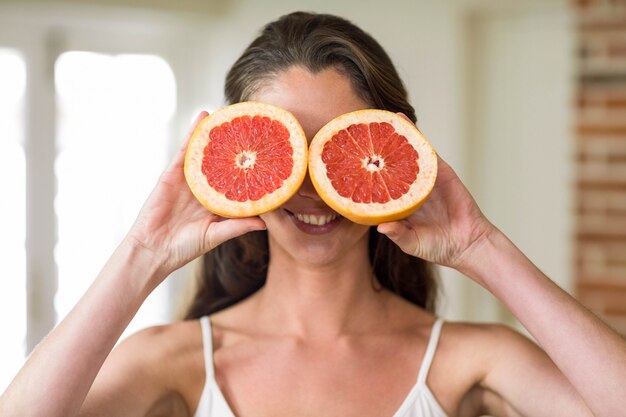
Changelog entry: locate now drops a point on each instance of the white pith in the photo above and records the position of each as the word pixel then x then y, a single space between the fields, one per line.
pixel 245 159
pixel 315 219
pixel 369 163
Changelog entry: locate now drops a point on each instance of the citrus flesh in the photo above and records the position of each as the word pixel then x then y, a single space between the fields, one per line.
pixel 372 166
pixel 246 159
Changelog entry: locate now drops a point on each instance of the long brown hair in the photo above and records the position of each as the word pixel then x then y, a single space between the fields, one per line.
pixel 237 268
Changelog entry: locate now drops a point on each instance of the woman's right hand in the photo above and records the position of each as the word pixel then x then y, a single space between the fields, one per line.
pixel 174 227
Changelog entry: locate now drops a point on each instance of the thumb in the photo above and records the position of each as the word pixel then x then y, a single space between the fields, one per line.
pixel 401 235
pixel 221 231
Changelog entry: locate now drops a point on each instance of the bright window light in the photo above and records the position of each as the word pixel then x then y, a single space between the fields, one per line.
pixel 114 115
pixel 12 215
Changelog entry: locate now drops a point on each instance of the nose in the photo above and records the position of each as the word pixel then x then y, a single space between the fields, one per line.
pixel 307 190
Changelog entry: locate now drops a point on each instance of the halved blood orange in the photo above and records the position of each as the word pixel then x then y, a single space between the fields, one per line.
pixel 372 166
pixel 246 159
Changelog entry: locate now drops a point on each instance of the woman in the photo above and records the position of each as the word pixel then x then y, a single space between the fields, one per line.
pixel 328 332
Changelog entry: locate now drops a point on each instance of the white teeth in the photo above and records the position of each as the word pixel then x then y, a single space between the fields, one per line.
pixel 314 219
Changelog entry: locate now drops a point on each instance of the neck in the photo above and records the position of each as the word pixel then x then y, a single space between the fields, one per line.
pixel 320 301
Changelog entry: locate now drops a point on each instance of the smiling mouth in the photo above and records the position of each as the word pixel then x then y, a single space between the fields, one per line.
pixel 315 224
pixel 314 219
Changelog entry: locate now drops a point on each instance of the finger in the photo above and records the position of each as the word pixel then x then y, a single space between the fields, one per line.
pixel 405 116
pixel 180 157
pixel 442 163
pixel 220 232
pixel 193 127
pixel 401 235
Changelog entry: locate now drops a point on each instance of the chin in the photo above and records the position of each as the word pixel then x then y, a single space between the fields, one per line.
pixel 320 256
pixel 321 250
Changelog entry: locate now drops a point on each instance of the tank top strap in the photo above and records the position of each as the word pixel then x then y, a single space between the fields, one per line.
pixel 207 344
pixel 430 351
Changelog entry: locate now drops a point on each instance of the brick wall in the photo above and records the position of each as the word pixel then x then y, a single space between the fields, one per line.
pixel 601 159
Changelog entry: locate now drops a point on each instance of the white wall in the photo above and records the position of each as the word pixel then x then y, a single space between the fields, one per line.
pixel 520 136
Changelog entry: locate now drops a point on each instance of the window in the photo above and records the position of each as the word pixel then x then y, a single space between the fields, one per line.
pixel 113 114
pixel 88 121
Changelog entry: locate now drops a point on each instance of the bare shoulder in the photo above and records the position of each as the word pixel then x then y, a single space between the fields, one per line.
pixel 163 340
pixel 464 359
pixel 161 349
pixel 500 369
pixel 475 349
pixel 172 353
pixel 485 338
pixel 154 371
pixel 490 347
pixel 467 352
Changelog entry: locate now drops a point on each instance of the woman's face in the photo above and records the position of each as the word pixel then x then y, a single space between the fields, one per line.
pixel 305 227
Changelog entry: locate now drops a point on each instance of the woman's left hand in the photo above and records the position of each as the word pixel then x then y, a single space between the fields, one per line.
pixel 446 227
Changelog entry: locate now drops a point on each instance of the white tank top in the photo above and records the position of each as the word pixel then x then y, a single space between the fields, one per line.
pixel 419 403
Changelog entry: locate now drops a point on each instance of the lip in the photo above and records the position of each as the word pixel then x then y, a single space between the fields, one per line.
pixel 313 229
